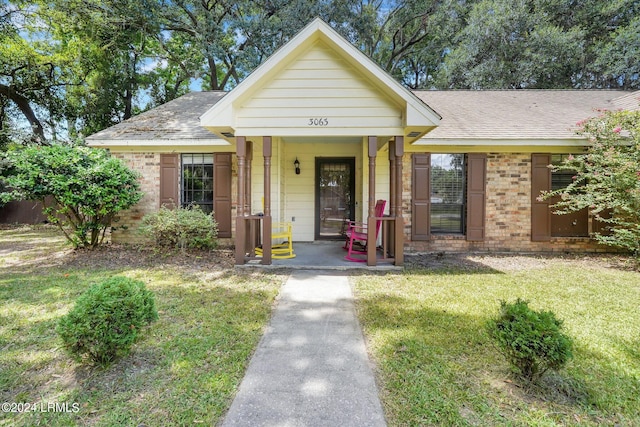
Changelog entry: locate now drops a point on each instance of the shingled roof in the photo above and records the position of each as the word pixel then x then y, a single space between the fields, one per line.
pixel 509 115
pixel 177 120
pixel 519 114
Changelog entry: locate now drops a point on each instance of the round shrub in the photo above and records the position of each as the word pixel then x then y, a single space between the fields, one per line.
pixel 181 227
pixel 107 319
pixel 531 341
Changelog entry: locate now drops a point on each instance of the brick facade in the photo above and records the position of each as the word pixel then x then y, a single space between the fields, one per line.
pixel 148 166
pixel 508 209
pixel 508 214
pixel 127 222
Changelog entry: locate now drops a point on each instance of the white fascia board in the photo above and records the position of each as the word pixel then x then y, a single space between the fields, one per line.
pixel 581 142
pixel 155 142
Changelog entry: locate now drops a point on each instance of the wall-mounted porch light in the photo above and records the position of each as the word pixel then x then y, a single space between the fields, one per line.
pixel 296 164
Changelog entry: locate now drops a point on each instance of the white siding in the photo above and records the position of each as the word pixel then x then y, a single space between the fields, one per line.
pixel 318 85
pixel 300 190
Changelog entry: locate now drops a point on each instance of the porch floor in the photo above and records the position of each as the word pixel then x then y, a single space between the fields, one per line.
pixel 322 255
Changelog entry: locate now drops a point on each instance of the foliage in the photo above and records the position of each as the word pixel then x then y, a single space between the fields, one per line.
pixel 513 45
pixel 70 68
pixel 607 179
pixel 81 188
pixel 107 319
pixel 181 228
pixel 530 340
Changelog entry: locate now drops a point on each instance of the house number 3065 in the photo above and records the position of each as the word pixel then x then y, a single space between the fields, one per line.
pixel 321 121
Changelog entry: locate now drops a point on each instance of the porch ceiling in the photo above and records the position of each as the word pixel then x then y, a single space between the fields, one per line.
pixel 323 139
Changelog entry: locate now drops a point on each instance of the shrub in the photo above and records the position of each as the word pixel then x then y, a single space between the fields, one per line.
pixel 606 179
pixel 81 188
pixel 107 319
pixel 181 227
pixel 531 341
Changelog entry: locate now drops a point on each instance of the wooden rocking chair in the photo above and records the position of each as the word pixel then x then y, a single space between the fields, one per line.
pixel 284 250
pixel 357 234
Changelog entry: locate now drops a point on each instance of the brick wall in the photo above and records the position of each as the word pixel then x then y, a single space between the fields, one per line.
pixel 148 165
pixel 508 210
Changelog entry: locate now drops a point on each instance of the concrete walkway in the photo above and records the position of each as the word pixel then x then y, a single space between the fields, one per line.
pixel 311 367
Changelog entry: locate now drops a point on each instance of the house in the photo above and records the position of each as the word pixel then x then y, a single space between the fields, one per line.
pixel 319 132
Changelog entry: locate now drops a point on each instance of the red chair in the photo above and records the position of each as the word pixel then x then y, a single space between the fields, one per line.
pixel 356 234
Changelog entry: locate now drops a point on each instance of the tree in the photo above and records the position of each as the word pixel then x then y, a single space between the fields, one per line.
pixel 607 179
pixel 509 44
pixel 81 188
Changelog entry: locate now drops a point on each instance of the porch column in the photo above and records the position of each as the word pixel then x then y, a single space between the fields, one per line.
pixel 392 194
pixel 266 220
pixel 249 227
pixel 247 177
pixel 241 152
pixel 398 239
pixel 371 221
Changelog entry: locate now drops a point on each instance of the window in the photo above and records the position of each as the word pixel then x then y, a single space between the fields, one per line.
pixel 197 181
pixel 447 179
pixel 575 224
pixel 562 178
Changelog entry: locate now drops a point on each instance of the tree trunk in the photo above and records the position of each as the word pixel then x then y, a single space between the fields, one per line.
pixel 25 107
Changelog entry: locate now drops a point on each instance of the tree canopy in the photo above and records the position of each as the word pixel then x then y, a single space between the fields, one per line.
pixel 70 68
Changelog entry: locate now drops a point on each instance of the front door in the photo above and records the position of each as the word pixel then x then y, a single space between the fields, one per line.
pixel 335 191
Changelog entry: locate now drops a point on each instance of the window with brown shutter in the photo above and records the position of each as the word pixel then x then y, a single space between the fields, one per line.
pixel 574 224
pixel 447 194
pixel 544 224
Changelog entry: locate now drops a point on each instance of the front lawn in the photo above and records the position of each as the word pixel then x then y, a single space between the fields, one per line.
pixel 424 328
pixel 437 366
pixel 184 371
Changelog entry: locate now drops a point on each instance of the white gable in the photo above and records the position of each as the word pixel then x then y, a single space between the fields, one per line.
pixel 319 85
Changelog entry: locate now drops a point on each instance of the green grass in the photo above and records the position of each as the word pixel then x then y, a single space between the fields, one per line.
pixel 437 366
pixel 425 330
pixel 184 371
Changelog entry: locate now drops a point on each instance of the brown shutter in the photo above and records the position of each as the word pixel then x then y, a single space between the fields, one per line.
pixel 169 180
pixel 476 195
pixel 222 193
pixel 540 212
pixel 420 196
pixel 602 227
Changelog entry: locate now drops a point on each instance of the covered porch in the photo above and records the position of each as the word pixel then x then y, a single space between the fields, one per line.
pixel 254 225
pixel 318 98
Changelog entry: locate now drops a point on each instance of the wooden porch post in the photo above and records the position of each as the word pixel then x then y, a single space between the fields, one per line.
pixel 247 177
pixel 399 221
pixel 371 221
pixel 241 152
pixel 266 220
pixel 249 227
pixel 392 194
